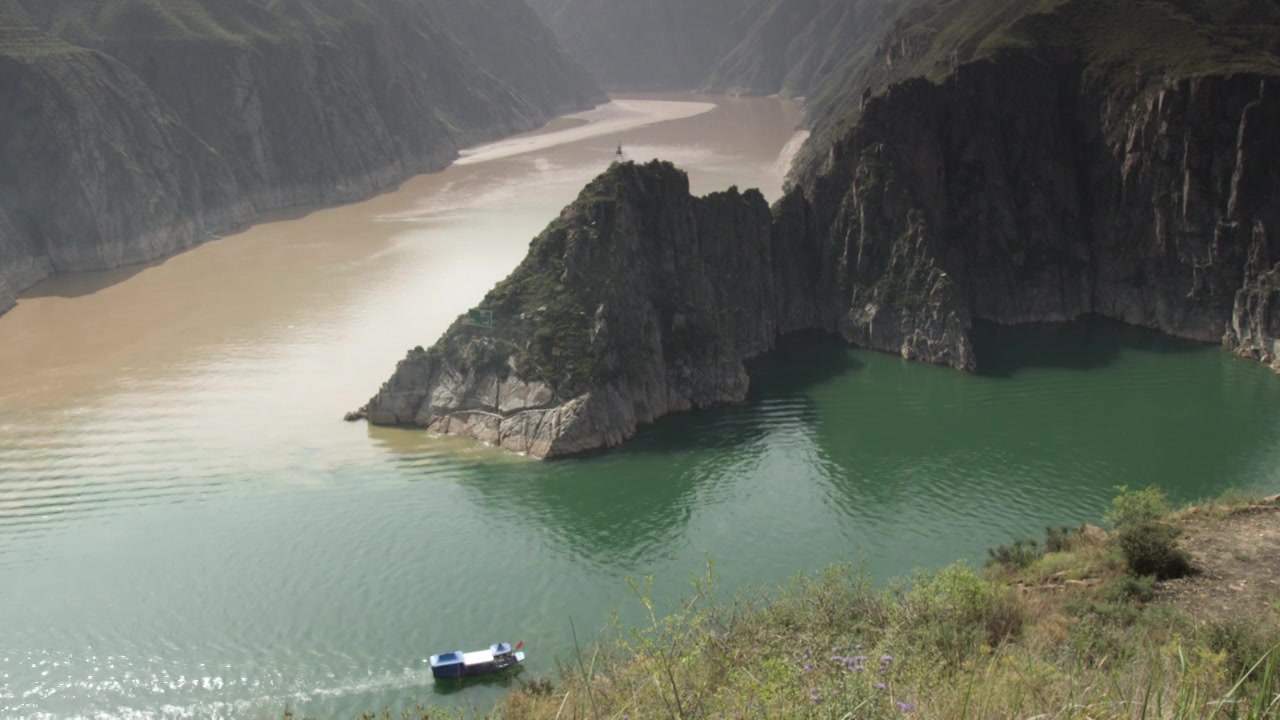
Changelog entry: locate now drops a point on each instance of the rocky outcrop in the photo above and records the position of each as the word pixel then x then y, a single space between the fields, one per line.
pixel 619 315
pixel 130 132
pixel 1022 186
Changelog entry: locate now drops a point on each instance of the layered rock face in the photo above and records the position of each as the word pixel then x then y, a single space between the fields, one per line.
pixel 132 131
pixel 1021 193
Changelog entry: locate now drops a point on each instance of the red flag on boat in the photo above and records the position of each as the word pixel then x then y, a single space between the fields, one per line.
pixel 519 644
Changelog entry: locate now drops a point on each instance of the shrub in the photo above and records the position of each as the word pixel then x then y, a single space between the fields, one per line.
pixel 1166 623
pixel 1061 539
pixel 954 611
pixel 1151 548
pixel 1018 555
pixel 1100 634
pixel 1243 639
pixel 537 687
pixel 1137 507
pixel 1140 588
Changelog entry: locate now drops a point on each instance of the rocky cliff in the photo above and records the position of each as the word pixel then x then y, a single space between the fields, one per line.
pixel 1056 172
pixel 133 129
pixel 620 314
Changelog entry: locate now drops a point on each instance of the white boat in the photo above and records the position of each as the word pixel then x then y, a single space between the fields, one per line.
pixel 458 664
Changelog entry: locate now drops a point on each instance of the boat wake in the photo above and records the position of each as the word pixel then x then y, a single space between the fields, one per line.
pixel 335 700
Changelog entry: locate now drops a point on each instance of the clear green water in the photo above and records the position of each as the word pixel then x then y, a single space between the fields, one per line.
pixel 327 595
pixel 198 536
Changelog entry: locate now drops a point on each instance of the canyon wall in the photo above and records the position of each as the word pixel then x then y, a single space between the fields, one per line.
pixel 132 130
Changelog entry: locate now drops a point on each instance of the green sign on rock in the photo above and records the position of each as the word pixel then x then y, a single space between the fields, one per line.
pixel 480 318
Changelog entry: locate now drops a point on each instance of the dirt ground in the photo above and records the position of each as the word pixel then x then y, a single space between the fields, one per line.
pixel 1238 562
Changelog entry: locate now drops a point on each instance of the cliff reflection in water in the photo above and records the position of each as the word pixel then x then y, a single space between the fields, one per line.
pixel 907 457
pixel 624 510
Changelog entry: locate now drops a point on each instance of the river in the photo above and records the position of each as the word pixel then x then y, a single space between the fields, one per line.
pixel 187 528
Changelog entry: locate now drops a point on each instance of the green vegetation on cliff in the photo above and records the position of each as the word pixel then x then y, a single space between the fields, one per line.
pixel 1134 42
pixel 546 325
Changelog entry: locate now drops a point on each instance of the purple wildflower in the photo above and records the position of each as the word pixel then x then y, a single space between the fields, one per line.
pixel 815 698
pixel 808 667
pixel 886 659
pixel 906 707
pixel 836 658
pixel 880 686
pixel 857 647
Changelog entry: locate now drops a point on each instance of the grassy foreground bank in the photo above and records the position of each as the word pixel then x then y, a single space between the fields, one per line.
pixel 1081 624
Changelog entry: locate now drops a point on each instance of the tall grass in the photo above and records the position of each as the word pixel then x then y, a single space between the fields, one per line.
pixel 1064 631
pixel 949 644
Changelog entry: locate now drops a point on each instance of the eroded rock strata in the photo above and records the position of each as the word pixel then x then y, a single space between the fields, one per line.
pixel 1015 190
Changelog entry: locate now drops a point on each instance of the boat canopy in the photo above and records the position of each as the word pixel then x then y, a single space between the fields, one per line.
pixel 449 658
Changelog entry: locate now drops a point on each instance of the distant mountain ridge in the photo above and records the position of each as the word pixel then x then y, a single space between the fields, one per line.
pixel 641 45
pixel 135 128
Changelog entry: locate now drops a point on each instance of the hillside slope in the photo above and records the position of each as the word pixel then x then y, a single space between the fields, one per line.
pixel 135 128
pixel 793 47
pixel 648 44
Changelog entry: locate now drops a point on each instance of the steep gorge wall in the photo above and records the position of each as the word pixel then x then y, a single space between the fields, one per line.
pixel 1015 191
pixel 1031 193
pixel 130 133
pixel 94 173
